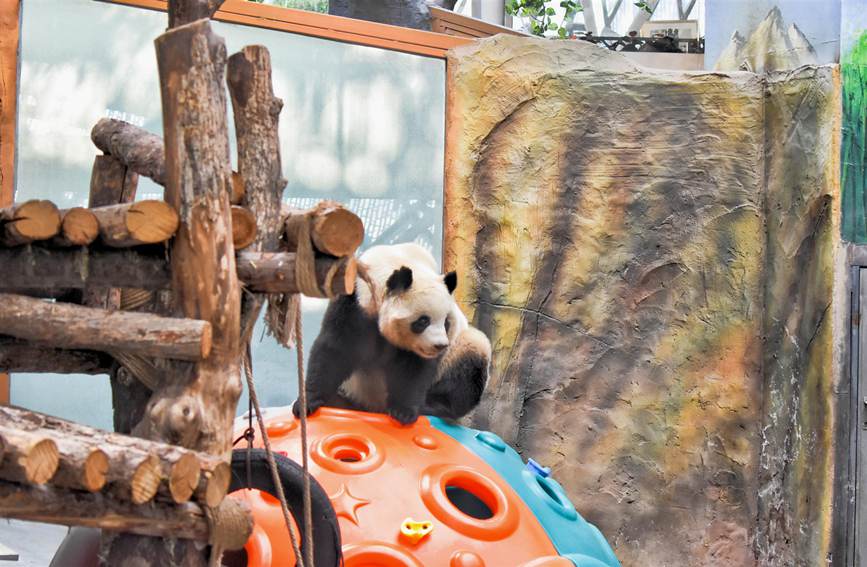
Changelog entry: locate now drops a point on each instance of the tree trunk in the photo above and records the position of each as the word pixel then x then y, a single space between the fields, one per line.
pixel 77 327
pixel 198 413
pixel 257 115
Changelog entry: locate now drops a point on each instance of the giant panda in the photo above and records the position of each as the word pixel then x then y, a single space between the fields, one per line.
pixel 401 346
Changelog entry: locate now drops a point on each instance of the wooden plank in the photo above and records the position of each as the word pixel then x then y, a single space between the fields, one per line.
pixel 448 22
pixel 9 18
pixel 326 26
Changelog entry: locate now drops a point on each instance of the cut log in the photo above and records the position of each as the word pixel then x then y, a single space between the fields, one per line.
pixel 134 224
pixel 243 227
pixel 28 222
pixel 191 60
pixel 24 357
pixel 136 148
pixel 82 465
pixel 214 484
pixel 29 457
pixel 74 326
pixel 136 466
pixel 184 475
pixel 72 508
pixel 78 227
pixel 274 272
pixel 334 229
pixel 37 268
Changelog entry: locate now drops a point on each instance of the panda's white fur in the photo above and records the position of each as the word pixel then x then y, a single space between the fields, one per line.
pixel 427 295
pixel 406 285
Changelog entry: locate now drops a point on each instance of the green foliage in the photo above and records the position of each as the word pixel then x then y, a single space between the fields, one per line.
pixel 542 15
pixel 320 6
pixel 644 6
pixel 854 143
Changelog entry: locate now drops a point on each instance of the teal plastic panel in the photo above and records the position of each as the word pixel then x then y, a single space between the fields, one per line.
pixel 573 537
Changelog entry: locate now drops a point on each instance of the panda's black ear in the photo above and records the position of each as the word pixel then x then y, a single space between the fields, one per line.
pixel 399 280
pixel 451 280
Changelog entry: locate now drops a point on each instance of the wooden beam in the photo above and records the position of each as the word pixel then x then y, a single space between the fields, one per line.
pixel 134 224
pixel 274 272
pixel 30 270
pixel 25 357
pixel 135 148
pixel 29 221
pixel 334 229
pixel 75 326
pixel 74 508
pixel 37 268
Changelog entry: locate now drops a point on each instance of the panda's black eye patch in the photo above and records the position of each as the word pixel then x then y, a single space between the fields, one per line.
pixel 419 325
pixel 448 324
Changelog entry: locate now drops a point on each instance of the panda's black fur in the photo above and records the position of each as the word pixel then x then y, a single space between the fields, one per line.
pixel 350 341
pixel 352 344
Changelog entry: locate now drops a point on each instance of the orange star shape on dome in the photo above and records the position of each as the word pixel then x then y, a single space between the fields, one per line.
pixel 345 504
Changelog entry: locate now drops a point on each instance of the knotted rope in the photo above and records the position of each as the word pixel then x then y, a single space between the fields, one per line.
pixel 229 526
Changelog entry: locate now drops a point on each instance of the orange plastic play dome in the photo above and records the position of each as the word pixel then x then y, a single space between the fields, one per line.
pixel 404 497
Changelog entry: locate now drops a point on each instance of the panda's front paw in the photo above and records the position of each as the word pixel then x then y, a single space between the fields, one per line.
pixel 312 406
pixel 406 416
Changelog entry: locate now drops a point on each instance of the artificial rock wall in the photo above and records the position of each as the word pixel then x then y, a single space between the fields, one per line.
pixel 653 256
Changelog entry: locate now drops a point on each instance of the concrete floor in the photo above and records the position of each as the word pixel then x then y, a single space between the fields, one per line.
pixel 34 543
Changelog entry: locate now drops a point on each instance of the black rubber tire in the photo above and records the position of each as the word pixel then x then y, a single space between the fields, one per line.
pixel 326 531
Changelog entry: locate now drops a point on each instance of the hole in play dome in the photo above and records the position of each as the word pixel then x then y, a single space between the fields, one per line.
pixel 348 455
pixel 468 503
pixel 549 490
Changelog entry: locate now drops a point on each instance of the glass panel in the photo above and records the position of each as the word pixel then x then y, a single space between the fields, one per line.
pixel 361 125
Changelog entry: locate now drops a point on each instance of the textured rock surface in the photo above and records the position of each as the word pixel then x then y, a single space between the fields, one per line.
pixel 610 228
pixel 802 122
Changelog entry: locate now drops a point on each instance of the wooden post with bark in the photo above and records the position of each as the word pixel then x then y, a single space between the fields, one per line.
pixel 196 409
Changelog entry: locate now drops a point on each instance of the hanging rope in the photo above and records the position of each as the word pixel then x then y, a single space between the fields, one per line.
pixel 302 396
pixel 272 464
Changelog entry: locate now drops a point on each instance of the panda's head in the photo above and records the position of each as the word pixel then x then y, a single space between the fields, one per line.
pixel 417 310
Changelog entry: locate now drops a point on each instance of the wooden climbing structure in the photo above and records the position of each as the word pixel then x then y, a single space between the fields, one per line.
pixel 161 296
